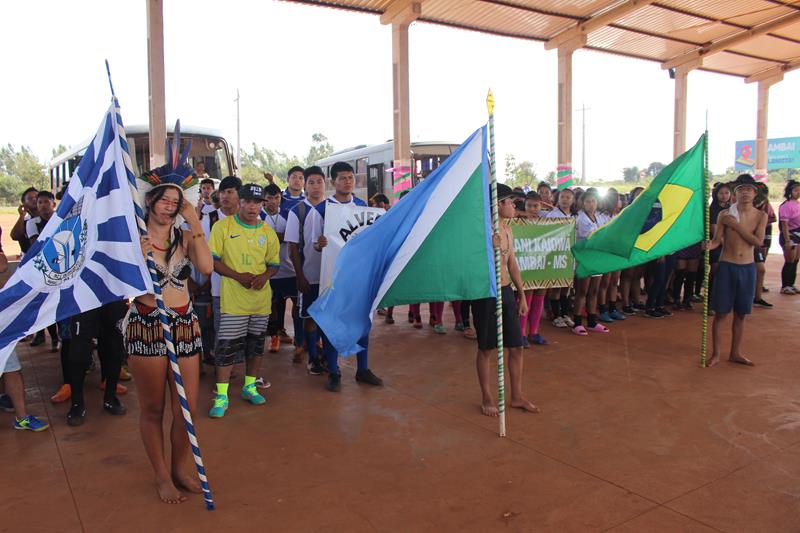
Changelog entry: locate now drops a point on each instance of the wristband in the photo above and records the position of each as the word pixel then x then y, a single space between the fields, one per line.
pixel 198 235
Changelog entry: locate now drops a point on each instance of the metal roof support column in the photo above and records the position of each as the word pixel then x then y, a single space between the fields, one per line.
pixel 155 79
pixel 761 127
pixel 681 95
pixel 400 95
pixel 565 51
pixel 681 92
pixel 400 14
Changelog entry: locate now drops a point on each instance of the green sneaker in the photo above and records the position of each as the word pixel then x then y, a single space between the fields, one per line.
pixel 250 393
pixel 219 407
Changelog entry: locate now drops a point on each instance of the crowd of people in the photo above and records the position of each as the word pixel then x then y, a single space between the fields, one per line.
pixel 230 264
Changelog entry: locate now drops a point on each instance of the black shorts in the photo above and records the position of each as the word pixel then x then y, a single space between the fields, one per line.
pixel 283 288
pixel 759 254
pixel 484 311
pixel 794 236
pixel 308 298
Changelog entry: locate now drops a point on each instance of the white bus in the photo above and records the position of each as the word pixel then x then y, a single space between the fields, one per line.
pixel 371 164
pixel 208 146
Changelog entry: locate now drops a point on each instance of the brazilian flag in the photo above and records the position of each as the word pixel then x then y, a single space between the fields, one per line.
pixel 666 217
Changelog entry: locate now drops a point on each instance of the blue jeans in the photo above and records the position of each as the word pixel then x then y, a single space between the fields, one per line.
pixel 332 355
pixel 657 291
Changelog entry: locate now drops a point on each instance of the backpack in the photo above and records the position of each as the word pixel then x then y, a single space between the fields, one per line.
pixel 213 217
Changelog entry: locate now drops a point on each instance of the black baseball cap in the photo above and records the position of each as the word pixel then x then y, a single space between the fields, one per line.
pixel 230 182
pixel 251 191
pixel 504 191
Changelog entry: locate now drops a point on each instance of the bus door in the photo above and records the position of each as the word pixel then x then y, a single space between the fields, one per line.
pixel 374 179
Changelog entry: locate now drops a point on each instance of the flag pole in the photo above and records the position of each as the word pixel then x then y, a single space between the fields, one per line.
pixel 501 387
pixel 162 310
pixel 706 253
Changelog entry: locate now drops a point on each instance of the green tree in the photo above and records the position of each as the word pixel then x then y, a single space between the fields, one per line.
pixel 19 169
pixel 655 168
pixel 260 159
pixel 630 174
pixel 320 149
pixel 58 150
pixel 23 165
pixel 520 174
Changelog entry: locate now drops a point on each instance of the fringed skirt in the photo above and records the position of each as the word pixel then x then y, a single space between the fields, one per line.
pixel 144 334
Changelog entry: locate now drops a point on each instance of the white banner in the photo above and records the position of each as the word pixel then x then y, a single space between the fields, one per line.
pixel 342 223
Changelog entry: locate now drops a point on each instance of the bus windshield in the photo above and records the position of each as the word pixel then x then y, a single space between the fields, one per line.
pixel 211 151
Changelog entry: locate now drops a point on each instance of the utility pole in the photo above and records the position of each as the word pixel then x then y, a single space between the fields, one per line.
pixel 238 137
pixel 583 109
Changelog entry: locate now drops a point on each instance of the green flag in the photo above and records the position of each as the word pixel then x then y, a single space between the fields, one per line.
pixel 668 216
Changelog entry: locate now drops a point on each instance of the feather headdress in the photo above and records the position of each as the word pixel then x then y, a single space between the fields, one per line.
pixel 176 173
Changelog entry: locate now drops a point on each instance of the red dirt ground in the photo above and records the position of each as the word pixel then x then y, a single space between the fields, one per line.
pixel 633 436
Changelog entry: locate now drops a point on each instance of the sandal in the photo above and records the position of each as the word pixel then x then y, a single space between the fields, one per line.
pixel 470 333
pixel 580 330
pixel 599 328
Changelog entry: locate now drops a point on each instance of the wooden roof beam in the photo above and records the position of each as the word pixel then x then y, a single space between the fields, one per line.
pixel 774 72
pixel 402 12
pixel 594 23
pixel 739 38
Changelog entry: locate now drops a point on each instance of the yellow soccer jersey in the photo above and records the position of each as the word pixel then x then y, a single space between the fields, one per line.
pixel 244 248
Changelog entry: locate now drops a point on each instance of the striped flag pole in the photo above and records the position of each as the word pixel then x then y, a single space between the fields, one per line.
pixel 151 266
pixel 501 378
pixel 706 256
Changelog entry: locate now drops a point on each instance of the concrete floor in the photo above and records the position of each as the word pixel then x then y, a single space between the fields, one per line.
pixel 634 436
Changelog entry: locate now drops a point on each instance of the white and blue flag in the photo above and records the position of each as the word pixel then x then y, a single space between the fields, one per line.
pixel 88 254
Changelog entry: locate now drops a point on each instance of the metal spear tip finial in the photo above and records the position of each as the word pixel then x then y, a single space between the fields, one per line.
pixel 490 102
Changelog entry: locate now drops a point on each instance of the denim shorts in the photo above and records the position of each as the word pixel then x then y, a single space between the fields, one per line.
pixel 734 288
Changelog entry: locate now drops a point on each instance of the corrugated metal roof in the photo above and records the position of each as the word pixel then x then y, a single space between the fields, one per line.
pixel 729 35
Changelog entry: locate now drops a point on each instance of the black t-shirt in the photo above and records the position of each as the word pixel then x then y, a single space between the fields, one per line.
pixel 714 212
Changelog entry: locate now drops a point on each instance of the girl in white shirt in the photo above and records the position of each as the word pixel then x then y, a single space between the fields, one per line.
pixel 586 289
pixel 559 298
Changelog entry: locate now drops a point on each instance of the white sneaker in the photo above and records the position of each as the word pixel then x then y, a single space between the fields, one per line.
pixel 568 321
pixel 788 290
pixel 559 322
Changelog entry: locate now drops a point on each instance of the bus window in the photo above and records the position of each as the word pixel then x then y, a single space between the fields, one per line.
pixel 361 178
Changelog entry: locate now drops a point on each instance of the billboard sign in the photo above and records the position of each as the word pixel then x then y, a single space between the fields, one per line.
pixel 781 153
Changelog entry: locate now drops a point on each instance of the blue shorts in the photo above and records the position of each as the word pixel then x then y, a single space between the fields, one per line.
pixel 308 298
pixel 283 288
pixel 12 363
pixel 734 288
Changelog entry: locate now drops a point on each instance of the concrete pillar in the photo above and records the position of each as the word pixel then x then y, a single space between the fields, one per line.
pixel 401 107
pixel 155 78
pixel 761 127
pixel 564 171
pixel 681 92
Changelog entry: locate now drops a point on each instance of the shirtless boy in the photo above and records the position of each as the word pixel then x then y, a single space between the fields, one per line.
pixel 486 321
pixel 739 229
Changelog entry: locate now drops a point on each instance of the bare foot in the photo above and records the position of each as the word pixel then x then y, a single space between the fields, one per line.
pixel 713 361
pixel 741 360
pixel 168 493
pixel 489 409
pixel 187 482
pixel 525 405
